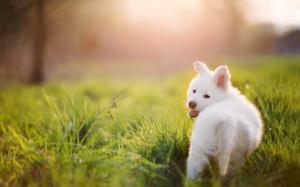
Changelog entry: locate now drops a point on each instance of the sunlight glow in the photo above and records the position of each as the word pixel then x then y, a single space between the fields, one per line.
pixel 167 13
pixel 278 12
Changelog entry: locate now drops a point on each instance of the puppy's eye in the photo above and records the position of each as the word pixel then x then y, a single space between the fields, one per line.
pixel 194 91
pixel 206 96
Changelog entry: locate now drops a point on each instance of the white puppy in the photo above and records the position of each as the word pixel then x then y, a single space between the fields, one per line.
pixel 227 126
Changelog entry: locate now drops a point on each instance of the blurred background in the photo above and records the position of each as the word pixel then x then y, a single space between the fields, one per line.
pixel 42 40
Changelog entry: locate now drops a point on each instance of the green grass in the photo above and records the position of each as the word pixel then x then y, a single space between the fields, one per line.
pixel 136 133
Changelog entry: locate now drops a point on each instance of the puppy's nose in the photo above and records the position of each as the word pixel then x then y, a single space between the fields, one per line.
pixel 192 104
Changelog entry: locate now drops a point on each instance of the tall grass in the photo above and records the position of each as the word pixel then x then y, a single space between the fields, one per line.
pixel 114 133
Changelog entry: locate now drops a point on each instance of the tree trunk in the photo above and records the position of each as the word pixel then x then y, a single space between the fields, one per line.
pixel 39 44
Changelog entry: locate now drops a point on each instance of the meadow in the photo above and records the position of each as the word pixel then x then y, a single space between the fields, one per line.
pixel 117 132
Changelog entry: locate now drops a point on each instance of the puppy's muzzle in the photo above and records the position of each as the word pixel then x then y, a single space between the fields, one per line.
pixel 193 113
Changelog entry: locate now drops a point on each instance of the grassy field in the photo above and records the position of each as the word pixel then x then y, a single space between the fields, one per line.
pixel 118 132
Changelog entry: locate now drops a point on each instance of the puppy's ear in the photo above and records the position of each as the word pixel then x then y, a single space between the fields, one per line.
pixel 200 67
pixel 222 76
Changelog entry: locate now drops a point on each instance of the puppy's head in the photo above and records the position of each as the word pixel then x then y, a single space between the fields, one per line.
pixel 207 88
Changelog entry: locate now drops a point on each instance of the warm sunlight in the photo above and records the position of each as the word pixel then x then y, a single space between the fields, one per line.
pixel 172 13
pixel 279 12
pixel 168 13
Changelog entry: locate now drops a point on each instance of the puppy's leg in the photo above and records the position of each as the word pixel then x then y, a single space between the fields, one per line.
pixel 196 163
pixel 225 148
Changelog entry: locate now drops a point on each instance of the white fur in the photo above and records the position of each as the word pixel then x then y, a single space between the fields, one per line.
pixel 228 127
